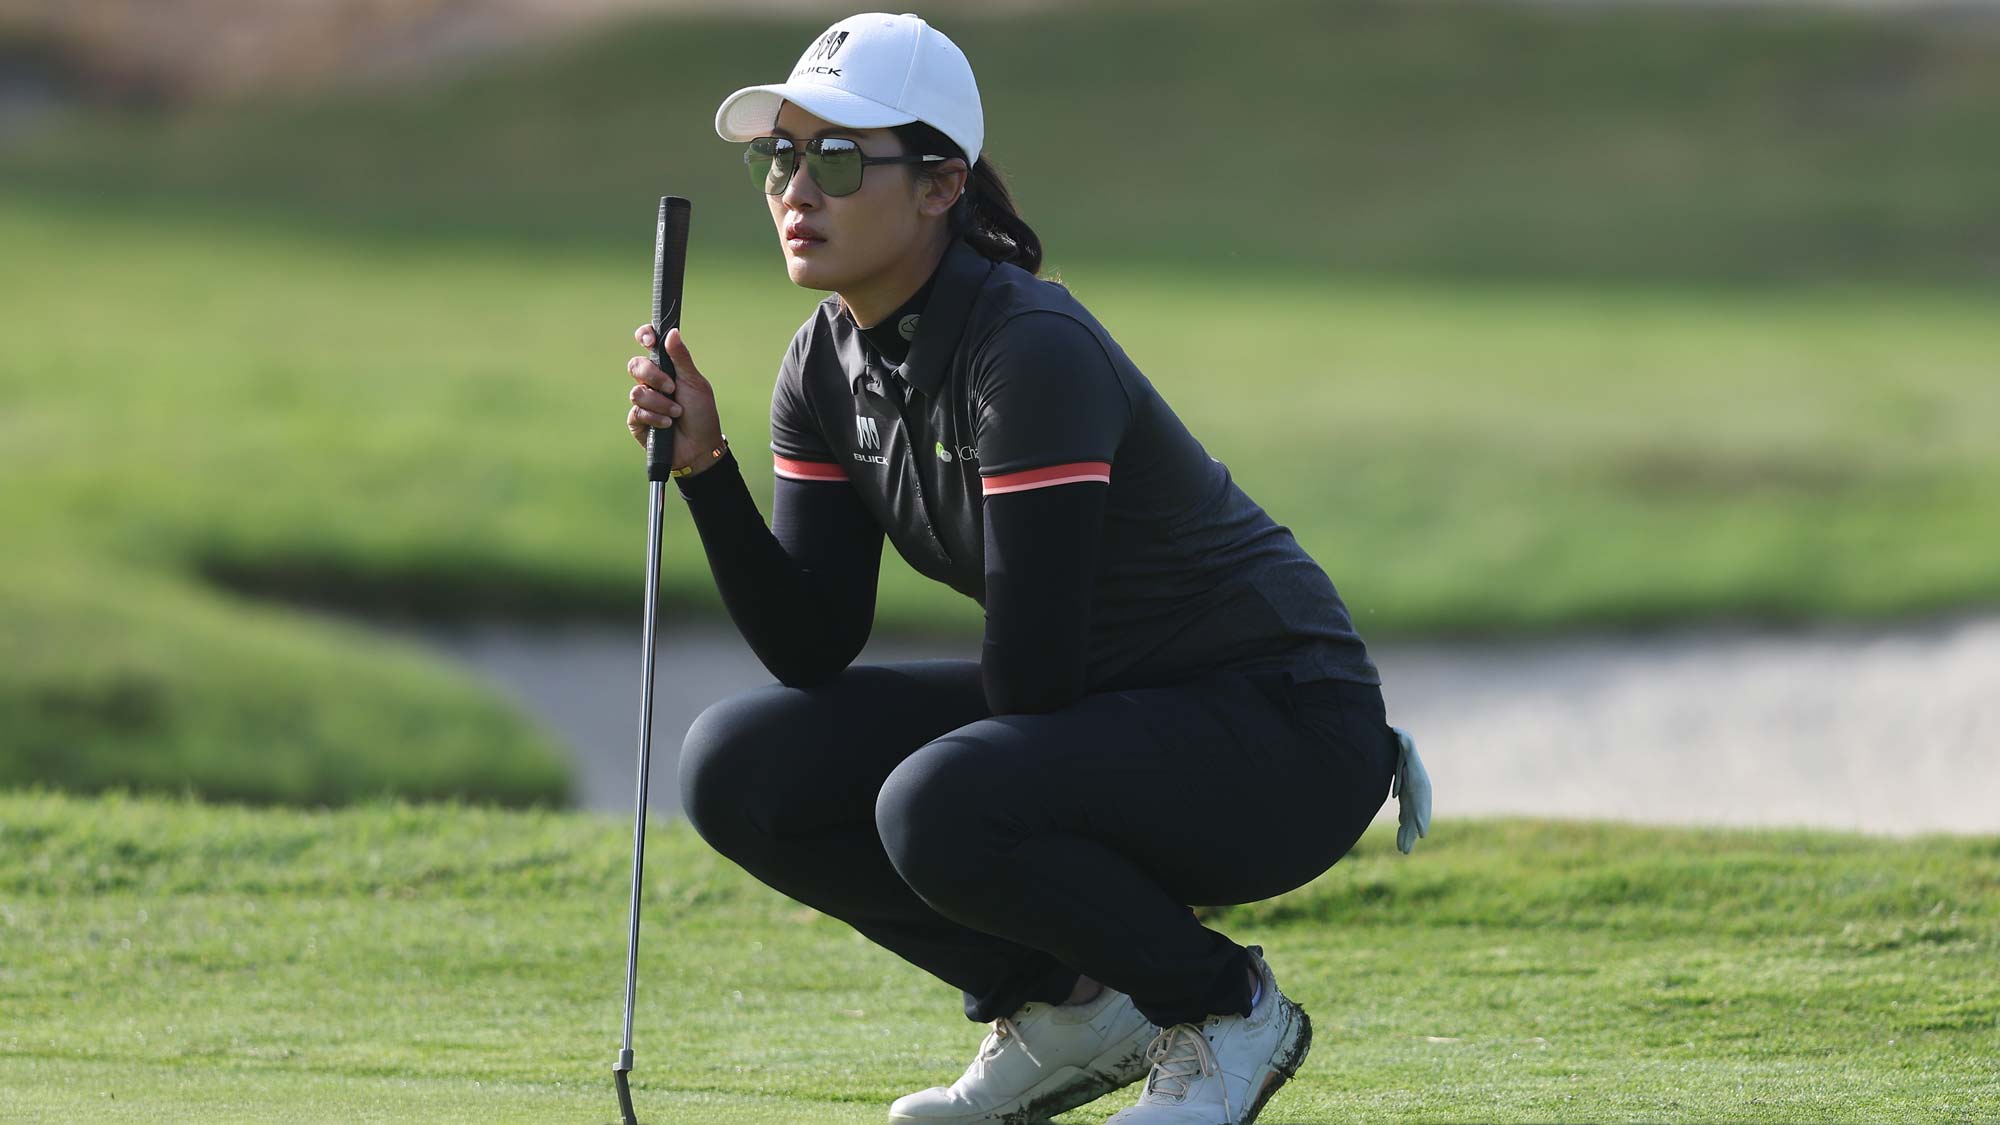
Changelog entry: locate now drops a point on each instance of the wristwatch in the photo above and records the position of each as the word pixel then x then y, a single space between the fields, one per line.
pixel 713 455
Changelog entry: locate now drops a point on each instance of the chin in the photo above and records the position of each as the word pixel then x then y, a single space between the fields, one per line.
pixel 810 275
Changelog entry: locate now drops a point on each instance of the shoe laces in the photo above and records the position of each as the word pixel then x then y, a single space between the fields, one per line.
pixel 1004 1029
pixel 1181 1054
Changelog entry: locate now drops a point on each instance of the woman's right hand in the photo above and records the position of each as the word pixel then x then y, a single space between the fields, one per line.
pixel 682 403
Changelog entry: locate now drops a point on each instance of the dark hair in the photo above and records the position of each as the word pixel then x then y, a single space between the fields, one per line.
pixel 984 214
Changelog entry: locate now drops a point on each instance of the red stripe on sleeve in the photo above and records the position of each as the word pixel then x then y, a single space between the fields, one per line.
pixel 1046 477
pixel 808 470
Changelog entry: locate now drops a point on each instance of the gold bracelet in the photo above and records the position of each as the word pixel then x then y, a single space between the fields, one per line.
pixel 714 454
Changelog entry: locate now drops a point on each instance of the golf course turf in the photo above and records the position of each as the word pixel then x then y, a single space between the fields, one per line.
pixel 173 961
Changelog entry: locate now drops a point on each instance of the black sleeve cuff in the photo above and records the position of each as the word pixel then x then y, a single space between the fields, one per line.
pixel 698 488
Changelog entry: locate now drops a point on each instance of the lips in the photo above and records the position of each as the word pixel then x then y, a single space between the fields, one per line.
pixel 801 237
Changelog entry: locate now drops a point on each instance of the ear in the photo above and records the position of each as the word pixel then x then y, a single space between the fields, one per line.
pixel 948 181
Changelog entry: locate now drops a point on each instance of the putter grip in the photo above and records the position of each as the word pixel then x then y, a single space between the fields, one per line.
pixel 670 240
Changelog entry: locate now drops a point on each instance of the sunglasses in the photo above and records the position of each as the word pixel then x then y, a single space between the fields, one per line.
pixel 835 163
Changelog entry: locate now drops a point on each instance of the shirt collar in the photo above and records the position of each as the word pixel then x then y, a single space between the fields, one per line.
pixel 961 273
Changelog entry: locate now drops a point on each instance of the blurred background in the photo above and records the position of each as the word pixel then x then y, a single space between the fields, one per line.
pixel 1633 370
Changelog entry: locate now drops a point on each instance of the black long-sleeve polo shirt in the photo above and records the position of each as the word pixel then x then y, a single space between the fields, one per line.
pixel 987 455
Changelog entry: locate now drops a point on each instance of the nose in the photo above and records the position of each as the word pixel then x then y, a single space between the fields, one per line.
pixel 801 188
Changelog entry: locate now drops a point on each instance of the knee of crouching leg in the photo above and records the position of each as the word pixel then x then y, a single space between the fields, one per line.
pixel 939 813
pixel 719 766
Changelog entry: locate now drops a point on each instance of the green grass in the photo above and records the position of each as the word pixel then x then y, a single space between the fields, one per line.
pixel 1443 139
pixel 170 961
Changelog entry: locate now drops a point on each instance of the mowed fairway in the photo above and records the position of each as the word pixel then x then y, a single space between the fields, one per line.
pixel 170 961
pixel 440 428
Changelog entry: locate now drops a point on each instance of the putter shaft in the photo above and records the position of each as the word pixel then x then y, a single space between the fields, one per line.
pixel 657 491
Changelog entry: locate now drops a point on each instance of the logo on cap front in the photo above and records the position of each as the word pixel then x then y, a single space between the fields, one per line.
pixel 828 46
pixel 822 52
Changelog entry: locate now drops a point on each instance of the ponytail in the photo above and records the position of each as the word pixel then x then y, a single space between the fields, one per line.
pixel 984 214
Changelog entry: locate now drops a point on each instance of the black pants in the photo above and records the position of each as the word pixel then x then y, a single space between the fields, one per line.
pixel 1008 855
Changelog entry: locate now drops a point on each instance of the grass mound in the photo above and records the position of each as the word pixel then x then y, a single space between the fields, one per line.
pixel 173 961
pixel 123 679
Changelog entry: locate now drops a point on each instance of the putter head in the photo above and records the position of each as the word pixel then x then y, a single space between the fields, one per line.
pixel 626 1116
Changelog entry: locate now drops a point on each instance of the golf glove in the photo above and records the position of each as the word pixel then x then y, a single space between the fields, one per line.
pixel 1412 789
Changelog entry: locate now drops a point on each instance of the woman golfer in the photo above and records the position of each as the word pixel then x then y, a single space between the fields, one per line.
pixel 1171 706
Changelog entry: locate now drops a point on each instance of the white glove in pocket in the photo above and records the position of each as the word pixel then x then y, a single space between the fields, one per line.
pixel 1412 789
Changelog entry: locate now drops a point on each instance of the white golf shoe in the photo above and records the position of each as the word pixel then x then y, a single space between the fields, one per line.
pixel 1221 1071
pixel 1041 1061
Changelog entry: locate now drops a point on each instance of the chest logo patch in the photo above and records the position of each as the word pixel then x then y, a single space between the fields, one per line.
pixel 907 327
pixel 866 433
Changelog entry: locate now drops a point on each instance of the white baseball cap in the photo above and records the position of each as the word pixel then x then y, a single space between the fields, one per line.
pixel 870 71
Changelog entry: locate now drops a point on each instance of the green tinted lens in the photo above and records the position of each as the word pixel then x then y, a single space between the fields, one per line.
pixel 770 161
pixel 835 165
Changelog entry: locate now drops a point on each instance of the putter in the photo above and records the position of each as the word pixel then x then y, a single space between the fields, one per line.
pixel 669 264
